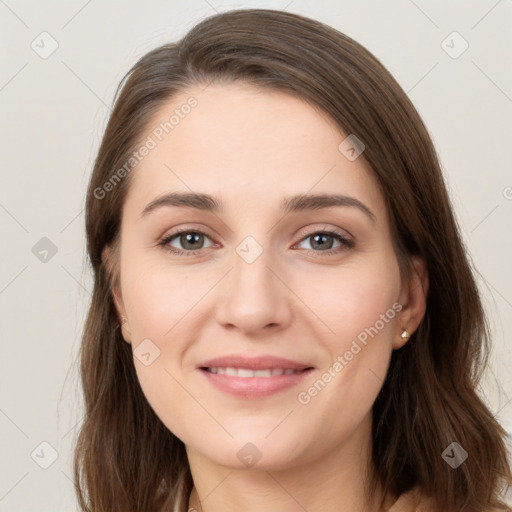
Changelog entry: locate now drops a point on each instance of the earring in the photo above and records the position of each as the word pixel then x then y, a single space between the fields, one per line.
pixel 123 321
pixel 405 335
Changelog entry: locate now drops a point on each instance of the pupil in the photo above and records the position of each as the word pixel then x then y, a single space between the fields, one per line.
pixel 322 244
pixel 189 239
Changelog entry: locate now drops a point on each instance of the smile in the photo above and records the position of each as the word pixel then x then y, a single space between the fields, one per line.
pixel 247 373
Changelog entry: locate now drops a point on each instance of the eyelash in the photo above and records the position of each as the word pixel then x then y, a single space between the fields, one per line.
pixel 345 242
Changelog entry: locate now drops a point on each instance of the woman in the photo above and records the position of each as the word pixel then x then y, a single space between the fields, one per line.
pixel 283 317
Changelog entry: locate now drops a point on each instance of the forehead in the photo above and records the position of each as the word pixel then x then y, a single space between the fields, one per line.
pixel 247 145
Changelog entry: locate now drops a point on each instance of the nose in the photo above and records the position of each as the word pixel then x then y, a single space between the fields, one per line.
pixel 254 298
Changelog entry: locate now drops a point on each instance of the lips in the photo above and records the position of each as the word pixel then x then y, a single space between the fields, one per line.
pixel 253 377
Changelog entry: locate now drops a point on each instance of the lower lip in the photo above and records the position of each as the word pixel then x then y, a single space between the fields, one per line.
pixel 254 387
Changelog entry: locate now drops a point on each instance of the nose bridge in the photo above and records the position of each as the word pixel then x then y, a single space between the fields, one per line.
pixel 252 264
pixel 253 297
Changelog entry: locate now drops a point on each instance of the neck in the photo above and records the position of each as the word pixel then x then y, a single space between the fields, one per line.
pixel 334 481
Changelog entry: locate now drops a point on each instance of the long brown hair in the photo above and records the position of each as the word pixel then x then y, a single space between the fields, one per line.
pixel 125 457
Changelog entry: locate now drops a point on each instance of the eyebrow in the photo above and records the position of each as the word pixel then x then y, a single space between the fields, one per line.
pixel 292 204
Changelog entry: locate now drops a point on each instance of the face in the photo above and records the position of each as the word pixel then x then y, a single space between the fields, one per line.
pixel 262 320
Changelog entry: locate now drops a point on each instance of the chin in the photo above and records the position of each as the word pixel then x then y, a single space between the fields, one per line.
pixel 252 451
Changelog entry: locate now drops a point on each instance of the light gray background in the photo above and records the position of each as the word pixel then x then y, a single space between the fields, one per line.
pixel 54 110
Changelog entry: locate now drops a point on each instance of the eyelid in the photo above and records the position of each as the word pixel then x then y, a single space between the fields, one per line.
pixel 342 233
pixel 198 228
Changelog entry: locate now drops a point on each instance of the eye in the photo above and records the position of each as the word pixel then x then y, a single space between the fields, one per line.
pixel 191 242
pixel 324 242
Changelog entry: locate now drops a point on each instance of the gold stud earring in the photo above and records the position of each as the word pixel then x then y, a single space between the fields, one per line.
pixel 405 335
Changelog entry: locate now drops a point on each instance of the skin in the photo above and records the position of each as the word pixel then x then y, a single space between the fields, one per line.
pixel 251 148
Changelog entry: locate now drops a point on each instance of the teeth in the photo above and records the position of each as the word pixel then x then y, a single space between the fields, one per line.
pixel 247 373
pixel 242 372
pixel 260 373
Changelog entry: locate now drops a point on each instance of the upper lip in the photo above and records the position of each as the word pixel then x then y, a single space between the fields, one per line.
pixel 254 363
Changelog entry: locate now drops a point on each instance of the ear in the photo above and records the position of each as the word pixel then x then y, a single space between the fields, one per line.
pixel 413 299
pixel 117 296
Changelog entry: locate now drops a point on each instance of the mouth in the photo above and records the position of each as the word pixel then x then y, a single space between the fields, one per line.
pixel 246 373
pixel 252 378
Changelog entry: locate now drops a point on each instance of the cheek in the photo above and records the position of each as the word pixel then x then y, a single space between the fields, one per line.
pixel 352 299
pixel 156 296
pixel 158 303
pixel 358 312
